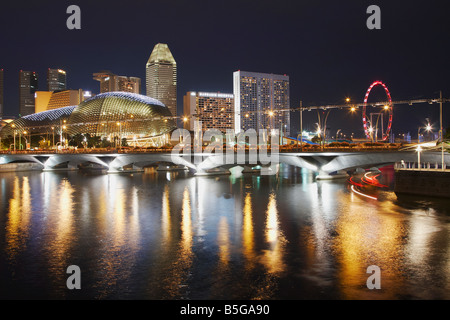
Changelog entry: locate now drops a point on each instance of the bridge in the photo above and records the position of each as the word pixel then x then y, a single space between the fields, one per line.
pixel 325 163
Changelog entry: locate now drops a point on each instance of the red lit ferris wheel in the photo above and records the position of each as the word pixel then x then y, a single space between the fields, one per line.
pixel 372 121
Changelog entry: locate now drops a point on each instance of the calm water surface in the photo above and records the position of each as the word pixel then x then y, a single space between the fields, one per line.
pixel 169 235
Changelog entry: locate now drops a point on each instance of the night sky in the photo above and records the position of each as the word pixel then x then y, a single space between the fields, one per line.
pixel 324 47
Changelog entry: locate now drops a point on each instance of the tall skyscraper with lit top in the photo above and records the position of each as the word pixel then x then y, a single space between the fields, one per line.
pixel 161 77
pixel 261 101
pixel 28 85
pixel 56 80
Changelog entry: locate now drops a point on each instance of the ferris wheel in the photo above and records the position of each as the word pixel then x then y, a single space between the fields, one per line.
pixel 375 121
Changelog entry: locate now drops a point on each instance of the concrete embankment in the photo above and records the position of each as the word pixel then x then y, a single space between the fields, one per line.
pixel 432 183
pixel 20 166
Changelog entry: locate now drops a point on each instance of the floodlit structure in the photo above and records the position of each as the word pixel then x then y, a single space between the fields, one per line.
pixel 142 120
pixel 28 85
pixel 215 110
pixel 261 101
pixel 56 80
pixel 110 82
pixel 161 77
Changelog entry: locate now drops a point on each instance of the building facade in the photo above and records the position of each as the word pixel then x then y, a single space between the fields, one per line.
pixel 261 101
pixel 161 77
pixel 56 80
pixel 1 94
pixel 110 82
pixel 28 85
pixel 47 100
pixel 215 110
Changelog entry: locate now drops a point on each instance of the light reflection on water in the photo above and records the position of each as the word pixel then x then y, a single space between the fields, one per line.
pixel 173 236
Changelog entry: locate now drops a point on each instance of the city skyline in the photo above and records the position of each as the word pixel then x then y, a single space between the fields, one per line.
pixel 326 49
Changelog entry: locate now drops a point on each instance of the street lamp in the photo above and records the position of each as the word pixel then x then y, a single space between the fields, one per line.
pixel 371 132
pixel 26 140
pixel 418 149
pixel 427 128
pixel 120 134
pixel 14 126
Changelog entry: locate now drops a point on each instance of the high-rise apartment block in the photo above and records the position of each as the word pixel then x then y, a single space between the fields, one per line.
pixel 215 110
pixel 1 93
pixel 261 101
pixel 161 77
pixel 56 80
pixel 28 84
pixel 110 82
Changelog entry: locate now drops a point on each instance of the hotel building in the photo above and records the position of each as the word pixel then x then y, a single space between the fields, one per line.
pixel 215 110
pixel 261 101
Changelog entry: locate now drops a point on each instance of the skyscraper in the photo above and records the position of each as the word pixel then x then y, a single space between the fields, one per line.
pixel 1 93
pixel 261 101
pixel 28 84
pixel 161 77
pixel 214 109
pixel 56 80
pixel 110 82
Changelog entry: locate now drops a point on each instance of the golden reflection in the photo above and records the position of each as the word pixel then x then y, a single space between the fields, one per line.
pixel 18 223
pixel 224 243
pixel 178 274
pixel 120 225
pixel 61 221
pixel 273 256
pixel 369 236
pixel 186 225
pixel 248 233
pixel 165 219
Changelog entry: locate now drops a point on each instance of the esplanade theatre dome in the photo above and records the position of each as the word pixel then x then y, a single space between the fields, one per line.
pixel 132 116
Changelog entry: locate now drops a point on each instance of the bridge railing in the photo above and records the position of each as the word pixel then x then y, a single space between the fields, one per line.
pixel 344 147
pixel 424 166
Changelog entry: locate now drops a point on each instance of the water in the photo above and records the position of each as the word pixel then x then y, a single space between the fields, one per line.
pixel 169 235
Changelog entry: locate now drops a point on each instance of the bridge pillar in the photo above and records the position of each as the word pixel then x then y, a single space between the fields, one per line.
pixel 212 172
pixel 331 176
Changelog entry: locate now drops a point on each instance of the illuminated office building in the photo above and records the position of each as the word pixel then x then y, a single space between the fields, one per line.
pixel 215 110
pixel 28 85
pixel 47 100
pixel 261 101
pixel 110 82
pixel 161 77
pixel 56 80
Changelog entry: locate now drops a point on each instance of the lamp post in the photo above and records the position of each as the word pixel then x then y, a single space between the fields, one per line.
pixel 428 128
pixel 26 140
pixel 371 132
pixel 301 127
pixel 419 149
pixel 14 126
pixel 120 134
